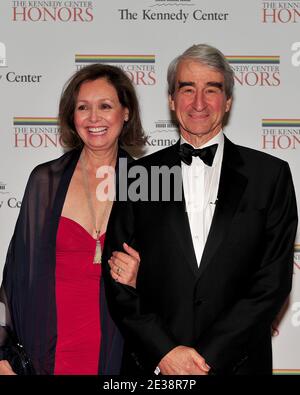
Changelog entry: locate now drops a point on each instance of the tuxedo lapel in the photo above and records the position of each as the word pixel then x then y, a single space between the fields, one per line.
pixel 179 221
pixel 184 237
pixel 231 187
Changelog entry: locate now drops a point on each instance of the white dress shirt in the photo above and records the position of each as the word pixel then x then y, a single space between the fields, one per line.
pixel 200 186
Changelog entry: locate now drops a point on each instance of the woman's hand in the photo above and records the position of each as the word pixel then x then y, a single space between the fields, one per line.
pixel 124 266
pixel 5 369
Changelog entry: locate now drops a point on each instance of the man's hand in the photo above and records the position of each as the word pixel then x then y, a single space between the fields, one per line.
pixel 183 360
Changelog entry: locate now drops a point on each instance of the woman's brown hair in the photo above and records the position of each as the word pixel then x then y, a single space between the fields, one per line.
pixel 132 132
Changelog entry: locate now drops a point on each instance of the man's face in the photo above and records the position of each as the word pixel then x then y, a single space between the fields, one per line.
pixel 199 101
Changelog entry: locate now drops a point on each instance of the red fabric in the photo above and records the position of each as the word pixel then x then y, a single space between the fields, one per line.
pixel 77 300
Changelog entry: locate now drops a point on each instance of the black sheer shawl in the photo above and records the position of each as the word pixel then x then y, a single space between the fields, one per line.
pixel 28 287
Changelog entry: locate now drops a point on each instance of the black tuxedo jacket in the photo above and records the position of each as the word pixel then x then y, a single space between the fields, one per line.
pixel 224 308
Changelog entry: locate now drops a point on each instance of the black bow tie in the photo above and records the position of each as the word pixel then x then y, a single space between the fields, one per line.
pixel 207 154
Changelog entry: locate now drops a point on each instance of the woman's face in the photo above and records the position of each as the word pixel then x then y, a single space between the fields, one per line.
pixel 99 115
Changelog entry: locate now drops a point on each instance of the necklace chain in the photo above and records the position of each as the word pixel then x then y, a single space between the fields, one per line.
pixel 98 251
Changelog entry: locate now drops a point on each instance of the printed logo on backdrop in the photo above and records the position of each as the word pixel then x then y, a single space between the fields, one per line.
pixel 36 132
pixel 12 76
pixel 164 134
pixel 280 134
pixel 297 257
pixel 139 68
pixel 256 70
pixel 52 11
pixel 6 198
pixel 173 11
pixel 2 55
pixel 3 188
pixel 280 11
pixel 17 78
pixel 286 372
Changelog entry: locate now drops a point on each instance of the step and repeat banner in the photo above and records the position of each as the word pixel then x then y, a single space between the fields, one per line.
pixel 43 42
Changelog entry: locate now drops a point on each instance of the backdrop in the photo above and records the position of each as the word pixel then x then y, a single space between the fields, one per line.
pixel 43 42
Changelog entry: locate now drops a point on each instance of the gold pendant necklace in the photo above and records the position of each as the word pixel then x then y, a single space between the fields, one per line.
pixel 98 249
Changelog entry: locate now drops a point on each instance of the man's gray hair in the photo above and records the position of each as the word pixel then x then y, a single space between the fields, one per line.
pixel 207 55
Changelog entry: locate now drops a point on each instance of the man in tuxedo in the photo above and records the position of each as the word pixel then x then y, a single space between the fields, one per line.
pixel 216 266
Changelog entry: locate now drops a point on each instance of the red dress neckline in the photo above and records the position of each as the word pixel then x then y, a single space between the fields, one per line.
pixel 80 226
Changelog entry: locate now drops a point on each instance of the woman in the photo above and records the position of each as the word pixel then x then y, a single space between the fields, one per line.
pixel 52 277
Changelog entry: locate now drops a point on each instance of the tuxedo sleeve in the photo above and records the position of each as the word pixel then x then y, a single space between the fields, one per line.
pixel 145 332
pixel 229 340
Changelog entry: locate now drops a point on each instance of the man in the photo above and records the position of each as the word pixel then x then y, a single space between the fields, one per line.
pixel 215 267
